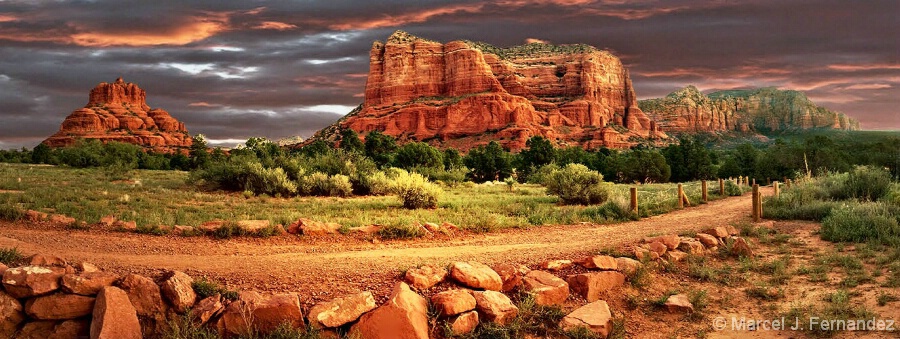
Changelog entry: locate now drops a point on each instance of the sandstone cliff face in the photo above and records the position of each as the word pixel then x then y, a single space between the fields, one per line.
pixel 463 94
pixel 760 110
pixel 118 112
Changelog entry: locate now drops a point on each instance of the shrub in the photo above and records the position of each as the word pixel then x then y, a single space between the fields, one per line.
pixel 612 210
pixel 416 192
pixel 228 230
pixel 732 189
pixel 576 184
pixel 9 256
pixel 272 181
pixel 322 184
pixel 205 288
pixel 184 327
pixel 862 222
pixel 405 231
pixel 10 212
pixel 380 184
pixel 542 174
pixel 868 183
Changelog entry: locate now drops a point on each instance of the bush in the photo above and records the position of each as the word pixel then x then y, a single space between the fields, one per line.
pixel 380 184
pixel 228 230
pixel 732 189
pixel 321 184
pixel 862 222
pixel 542 174
pixel 272 181
pixel 612 210
pixel 407 231
pixel 10 212
pixel 416 192
pixel 576 184
pixel 340 186
pixel 9 256
pixel 868 183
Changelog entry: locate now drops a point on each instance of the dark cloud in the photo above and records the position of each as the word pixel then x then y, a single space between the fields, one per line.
pixel 234 69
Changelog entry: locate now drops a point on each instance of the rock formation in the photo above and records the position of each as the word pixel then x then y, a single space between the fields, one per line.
pixel 759 110
pixel 118 112
pixel 462 94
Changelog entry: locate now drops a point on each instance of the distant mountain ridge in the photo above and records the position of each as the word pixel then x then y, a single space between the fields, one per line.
pixel 756 110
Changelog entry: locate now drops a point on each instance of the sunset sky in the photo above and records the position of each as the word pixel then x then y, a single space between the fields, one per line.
pixel 236 69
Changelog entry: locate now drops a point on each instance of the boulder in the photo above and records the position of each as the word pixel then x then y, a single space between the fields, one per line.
pixel 310 227
pixel 741 248
pixel 628 266
pixel 718 232
pixel 114 317
pixel 732 231
pixel 450 227
pixel 45 260
pixel 11 315
pixel 86 267
pixel 3 268
pixel 556 265
pixel 510 274
pixel 692 246
pixel 658 248
pixel 178 291
pixel 29 281
pixel 425 277
pixel 62 219
pixel 476 275
pixel 463 323
pixel 645 254
pixel 87 283
pixel 59 306
pixel 599 262
pixel 679 303
pixel 48 329
pixel 671 241
pixel 546 288
pixel 108 220
pixel 129 226
pixel 495 307
pixel 594 316
pixel 708 240
pixel 267 312
pixel 676 256
pixel 254 226
pixel 341 311
pixel 182 230
pixel 35 216
pixel 432 227
pixel 591 285
pixel 453 302
pixel 144 294
pixel 208 308
pixel 403 316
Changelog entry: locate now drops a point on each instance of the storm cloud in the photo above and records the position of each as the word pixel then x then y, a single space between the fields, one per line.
pixel 236 69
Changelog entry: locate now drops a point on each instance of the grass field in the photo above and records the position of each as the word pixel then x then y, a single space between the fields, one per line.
pixel 153 198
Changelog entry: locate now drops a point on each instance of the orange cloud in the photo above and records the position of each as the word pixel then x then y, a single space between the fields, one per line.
pixel 8 18
pixel 407 18
pixel 536 41
pixel 196 31
pixel 872 67
pixel 868 86
pixel 203 104
pixel 275 25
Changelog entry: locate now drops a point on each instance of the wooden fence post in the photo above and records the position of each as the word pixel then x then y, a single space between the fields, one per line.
pixel 680 196
pixel 777 190
pixel 788 183
pixel 754 182
pixel 634 204
pixel 755 198
pixel 703 184
pixel 722 187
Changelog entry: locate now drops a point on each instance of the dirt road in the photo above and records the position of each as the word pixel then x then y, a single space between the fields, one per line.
pixel 320 267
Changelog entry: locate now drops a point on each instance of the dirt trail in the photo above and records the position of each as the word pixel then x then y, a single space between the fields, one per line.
pixel 319 267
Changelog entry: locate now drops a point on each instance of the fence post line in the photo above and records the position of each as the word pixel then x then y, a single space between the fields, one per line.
pixel 703 184
pixel 754 196
pixel 680 196
pixel 634 200
pixel 722 187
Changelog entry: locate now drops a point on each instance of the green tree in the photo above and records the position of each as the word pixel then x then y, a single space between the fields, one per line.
pixel 419 154
pixel 199 152
pixel 453 160
pixel 380 147
pixel 350 141
pixel 689 160
pixel 42 154
pixel 642 165
pixel 489 162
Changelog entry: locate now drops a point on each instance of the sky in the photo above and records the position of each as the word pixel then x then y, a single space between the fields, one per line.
pixel 236 69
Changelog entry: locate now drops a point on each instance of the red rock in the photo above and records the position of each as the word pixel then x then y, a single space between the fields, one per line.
pixel 59 306
pixel 403 316
pixel 11 315
pixel 594 316
pixel 3 269
pixel 254 226
pixel 556 265
pixel 425 277
pixel 114 317
pixel 453 302
pixel 675 256
pixel 310 227
pixel 671 241
pixel 267 312
pixel 455 93
pixel 129 226
pixel 108 220
pixel 464 323
pixel 62 219
pixel 546 288
pixel 208 308
pixel 741 248
pixel 35 216
pixel 29 281
pixel 183 230
pixel 432 227
pixel 476 275
pixel 87 283
pixel 119 112
pixel 718 232
pixel 735 232
pixel 495 307
pixel 144 294
pixel 341 311
pixel 708 240
pixel 658 248
pixel 600 262
pixel 45 260
pixel 511 275
pixel 176 288
pixel 692 246
pixel 679 303
pixel 46 329
pixel 591 285
pixel 86 267
pixel 628 266
pixel 450 227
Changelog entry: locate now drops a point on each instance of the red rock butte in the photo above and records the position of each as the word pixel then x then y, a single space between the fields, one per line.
pixel 119 112
pixel 464 94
